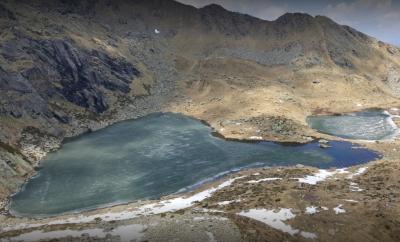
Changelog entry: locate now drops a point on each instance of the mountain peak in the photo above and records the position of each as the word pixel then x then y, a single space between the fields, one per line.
pixel 291 17
pixel 213 7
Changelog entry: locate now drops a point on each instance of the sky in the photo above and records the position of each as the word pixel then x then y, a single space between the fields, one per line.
pixel 378 18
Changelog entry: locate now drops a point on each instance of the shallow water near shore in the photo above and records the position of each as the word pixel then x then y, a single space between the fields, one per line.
pixel 366 125
pixel 154 156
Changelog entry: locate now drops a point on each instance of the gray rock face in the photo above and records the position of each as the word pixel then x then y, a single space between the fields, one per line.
pixel 81 73
pixel 63 69
pixel 277 56
pixel 215 18
pixel 5 13
pixel 10 81
pixel 393 81
pixel 298 21
pixel 19 97
pixel 343 42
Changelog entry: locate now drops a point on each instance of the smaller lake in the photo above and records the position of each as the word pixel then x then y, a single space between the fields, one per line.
pixel 154 156
pixel 366 125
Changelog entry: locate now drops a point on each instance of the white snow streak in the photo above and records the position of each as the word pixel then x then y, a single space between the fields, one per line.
pixel 275 220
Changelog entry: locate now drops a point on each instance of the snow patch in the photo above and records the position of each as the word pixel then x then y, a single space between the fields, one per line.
pixel 256 138
pixel 354 187
pixel 339 209
pixel 342 171
pixel 359 172
pixel 308 235
pixel 321 175
pixel 275 220
pixel 265 179
pixel 223 203
pixel 311 210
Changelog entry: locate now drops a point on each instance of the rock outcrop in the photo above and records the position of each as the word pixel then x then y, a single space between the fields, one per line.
pixel 393 80
pixel 60 68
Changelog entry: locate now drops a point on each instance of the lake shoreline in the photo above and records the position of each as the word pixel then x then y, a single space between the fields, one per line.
pixel 347 154
pixel 369 145
pixel 245 176
pixel 75 135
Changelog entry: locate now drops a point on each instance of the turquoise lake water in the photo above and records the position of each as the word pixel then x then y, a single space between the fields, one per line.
pixel 154 156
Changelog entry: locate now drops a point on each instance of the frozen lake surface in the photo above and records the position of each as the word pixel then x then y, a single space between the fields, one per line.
pixel 367 125
pixel 154 156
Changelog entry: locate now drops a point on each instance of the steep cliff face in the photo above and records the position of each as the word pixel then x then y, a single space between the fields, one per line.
pixel 69 65
pixel 60 68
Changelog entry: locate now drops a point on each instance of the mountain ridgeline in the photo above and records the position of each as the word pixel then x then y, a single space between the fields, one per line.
pixel 71 66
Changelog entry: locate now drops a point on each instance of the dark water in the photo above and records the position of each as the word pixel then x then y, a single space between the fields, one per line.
pixel 367 125
pixel 155 156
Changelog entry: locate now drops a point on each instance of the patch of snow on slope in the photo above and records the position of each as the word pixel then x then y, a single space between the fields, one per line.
pixel 339 209
pixel 223 203
pixel 321 175
pixel 360 171
pixel 311 210
pixel 354 187
pixel 308 235
pixel 265 179
pixel 275 220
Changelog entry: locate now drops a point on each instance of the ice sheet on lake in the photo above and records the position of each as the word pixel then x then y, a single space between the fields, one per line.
pixel 367 125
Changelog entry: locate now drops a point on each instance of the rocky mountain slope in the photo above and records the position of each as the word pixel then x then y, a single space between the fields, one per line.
pixel 67 67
